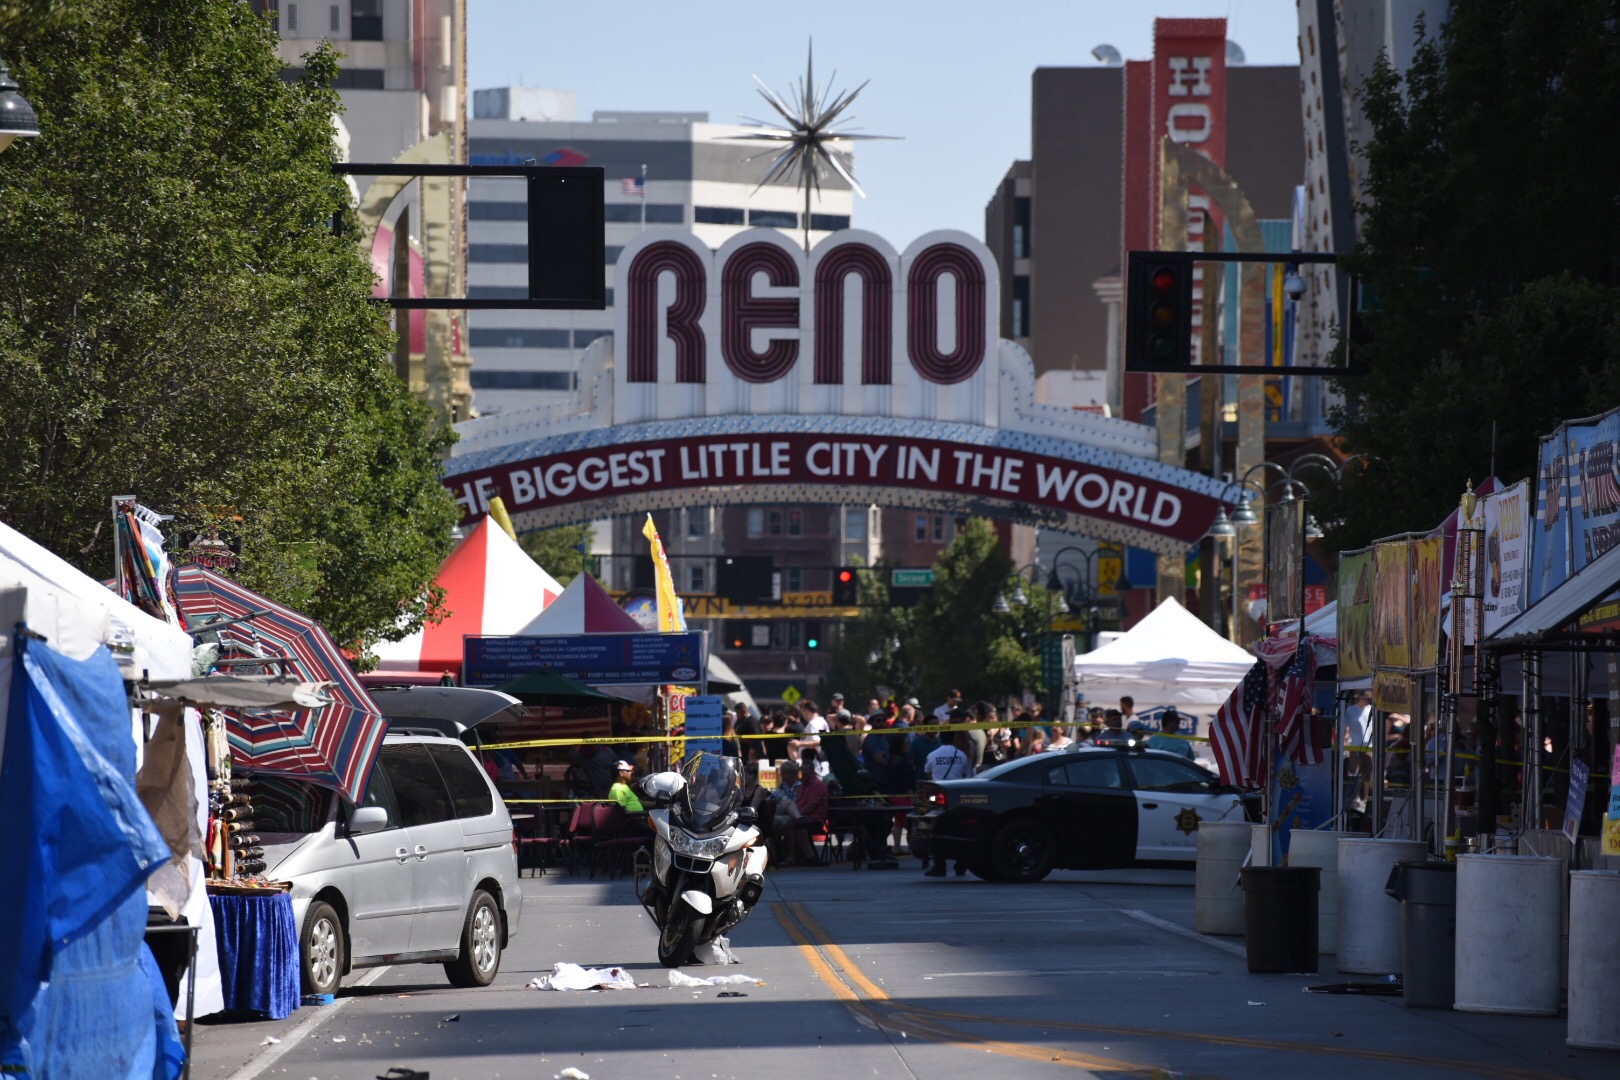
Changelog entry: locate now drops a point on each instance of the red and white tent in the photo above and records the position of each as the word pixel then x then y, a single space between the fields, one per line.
pixel 583 608
pixel 491 587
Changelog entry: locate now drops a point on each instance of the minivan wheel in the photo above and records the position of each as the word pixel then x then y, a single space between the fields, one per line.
pixel 321 948
pixel 480 955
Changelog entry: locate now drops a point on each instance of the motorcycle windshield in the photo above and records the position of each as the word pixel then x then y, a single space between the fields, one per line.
pixel 713 790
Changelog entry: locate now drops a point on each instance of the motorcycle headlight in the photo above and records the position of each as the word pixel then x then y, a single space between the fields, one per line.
pixel 686 844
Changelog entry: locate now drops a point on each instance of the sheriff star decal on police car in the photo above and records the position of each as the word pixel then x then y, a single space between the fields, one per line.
pixel 1187 821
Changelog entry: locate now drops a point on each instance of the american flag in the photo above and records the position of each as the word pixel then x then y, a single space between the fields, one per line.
pixel 1237 734
pixel 1295 734
pixel 633 185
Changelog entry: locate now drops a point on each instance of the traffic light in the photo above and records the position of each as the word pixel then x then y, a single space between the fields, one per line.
pixel 1159 311
pixel 812 643
pixel 844 590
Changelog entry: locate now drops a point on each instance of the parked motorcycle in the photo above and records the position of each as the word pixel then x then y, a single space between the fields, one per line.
pixel 706 870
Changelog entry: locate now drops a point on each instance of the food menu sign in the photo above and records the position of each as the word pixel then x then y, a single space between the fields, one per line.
pixel 593 659
pixel 1392 599
pixel 1355 626
pixel 1577 501
pixel 1428 555
pixel 1507 550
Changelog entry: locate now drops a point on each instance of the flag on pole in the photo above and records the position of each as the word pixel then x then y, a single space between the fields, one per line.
pixel 1296 735
pixel 633 185
pixel 670 616
pixel 1237 734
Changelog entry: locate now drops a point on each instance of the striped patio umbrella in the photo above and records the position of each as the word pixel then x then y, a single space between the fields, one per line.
pixel 333 745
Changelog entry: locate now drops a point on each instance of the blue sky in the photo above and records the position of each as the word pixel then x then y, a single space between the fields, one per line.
pixel 951 77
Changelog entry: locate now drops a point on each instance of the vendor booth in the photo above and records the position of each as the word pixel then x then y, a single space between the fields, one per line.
pixel 84 834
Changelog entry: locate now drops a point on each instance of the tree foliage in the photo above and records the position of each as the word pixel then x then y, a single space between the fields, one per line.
pixel 178 319
pixel 954 639
pixel 560 551
pixel 878 648
pixel 1491 240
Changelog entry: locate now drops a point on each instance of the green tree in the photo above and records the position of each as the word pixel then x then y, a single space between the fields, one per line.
pixel 962 642
pixel 560 551
pixel 179 318
pixel 1491 242
pixel 878 648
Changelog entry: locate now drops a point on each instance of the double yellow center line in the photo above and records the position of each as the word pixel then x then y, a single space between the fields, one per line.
pixel 850 985
pixel 865 998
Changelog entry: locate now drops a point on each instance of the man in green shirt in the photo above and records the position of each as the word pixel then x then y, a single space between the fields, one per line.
pixel 621 792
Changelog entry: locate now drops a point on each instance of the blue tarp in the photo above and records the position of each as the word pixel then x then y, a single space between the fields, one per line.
pixel 75 999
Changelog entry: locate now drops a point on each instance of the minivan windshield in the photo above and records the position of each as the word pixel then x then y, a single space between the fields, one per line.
pixel 713 790
pixel 285 805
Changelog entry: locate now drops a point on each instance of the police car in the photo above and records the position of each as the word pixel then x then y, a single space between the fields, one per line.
pixel 1086 809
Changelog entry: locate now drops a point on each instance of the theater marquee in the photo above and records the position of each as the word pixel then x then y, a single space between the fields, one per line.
pixel 858 374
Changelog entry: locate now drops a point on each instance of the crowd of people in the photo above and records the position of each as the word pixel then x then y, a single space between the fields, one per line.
pixel 882 754
pixel 800 758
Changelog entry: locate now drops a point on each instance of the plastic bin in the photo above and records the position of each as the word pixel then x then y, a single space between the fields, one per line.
pixel 1427 892
pixel 1279 917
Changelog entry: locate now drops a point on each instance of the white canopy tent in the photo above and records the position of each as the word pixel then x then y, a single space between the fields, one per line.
pixel 76 614
pixel 1169 658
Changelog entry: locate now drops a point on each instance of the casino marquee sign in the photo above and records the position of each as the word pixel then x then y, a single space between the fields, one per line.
pixel 755 374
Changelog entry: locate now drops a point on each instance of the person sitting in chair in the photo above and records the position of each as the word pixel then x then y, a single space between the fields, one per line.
pixel 791 825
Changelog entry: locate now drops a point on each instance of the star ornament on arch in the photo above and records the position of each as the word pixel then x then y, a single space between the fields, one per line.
pixel 807 136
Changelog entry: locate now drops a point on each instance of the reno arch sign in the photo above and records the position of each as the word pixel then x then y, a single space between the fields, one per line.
pixel 857 374
pixel 756 327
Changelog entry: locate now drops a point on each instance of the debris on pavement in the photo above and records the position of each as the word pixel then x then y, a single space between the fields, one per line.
pixel 572 1073
pixel 399 1072
pixel 680 978
pixel 1256 1003
pixel 717 951
pixel 453 1018
pixel 573 977
pixel 340 1038
pixel 270 1040
pixel 731 993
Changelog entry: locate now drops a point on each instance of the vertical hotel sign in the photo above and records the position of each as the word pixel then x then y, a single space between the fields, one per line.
pixel 1189 106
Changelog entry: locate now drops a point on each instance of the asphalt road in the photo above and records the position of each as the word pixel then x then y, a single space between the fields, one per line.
pixel 890 974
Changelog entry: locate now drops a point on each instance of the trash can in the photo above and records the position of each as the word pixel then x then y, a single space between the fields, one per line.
pixel 1279 916
pixel 1427 892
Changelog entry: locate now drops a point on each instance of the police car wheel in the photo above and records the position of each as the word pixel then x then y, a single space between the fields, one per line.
pixel 1023 851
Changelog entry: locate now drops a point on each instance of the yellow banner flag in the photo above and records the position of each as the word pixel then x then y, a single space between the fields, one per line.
pixel 670 616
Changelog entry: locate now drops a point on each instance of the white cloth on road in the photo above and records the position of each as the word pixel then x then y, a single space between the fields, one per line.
pixel 574 977
pixel 680 978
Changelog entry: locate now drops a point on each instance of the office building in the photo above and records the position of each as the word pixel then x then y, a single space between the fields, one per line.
pixel 698 176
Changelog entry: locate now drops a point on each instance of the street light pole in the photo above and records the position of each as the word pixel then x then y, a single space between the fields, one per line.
pixel 17 118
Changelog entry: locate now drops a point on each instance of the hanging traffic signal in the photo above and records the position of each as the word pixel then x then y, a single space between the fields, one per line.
pixel 1158 312
pixel 812 643
pixel 844 591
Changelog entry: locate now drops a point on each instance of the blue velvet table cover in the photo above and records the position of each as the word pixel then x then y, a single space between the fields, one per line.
pixel 258 953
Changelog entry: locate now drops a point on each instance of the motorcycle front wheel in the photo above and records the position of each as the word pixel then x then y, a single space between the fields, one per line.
pixel 679 936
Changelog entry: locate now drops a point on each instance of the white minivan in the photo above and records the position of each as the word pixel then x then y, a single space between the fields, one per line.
pixel 424 870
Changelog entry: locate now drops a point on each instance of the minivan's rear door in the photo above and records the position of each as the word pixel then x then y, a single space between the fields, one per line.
pixel 438 858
